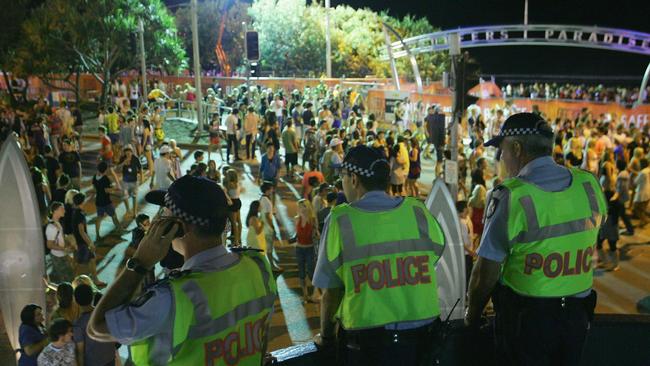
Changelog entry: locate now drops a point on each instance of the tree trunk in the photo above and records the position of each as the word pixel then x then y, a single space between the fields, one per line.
pixel 14 102
pixel 77 95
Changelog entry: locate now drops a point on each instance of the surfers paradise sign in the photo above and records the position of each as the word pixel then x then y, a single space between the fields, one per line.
pixel 528 35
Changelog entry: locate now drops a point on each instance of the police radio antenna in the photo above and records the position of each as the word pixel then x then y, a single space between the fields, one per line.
pixel 451 312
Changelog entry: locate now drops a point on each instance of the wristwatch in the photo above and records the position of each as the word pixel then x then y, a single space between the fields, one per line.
pixel 133 264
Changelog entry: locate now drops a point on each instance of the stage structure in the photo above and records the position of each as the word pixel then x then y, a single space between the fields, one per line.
pixel 611 39
pixel 22 251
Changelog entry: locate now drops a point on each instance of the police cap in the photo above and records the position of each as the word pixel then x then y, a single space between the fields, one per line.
pixel 521 124
pixel 366 162
pixel 196 200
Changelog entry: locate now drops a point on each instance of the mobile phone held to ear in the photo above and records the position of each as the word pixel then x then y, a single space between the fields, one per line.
pixel 180 232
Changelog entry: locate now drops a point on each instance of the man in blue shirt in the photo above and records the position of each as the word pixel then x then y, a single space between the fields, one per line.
pixel 270 165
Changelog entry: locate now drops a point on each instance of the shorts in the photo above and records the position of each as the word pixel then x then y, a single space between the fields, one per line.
pixel 130 188
pixel 305 256
pixel 114 137
pixel 62 270
pixel 291 158
pixel 83 255
pixel 215 140
pixel 105 210
pixel 236 205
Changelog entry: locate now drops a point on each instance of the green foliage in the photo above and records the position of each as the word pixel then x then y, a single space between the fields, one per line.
pixel 62 37
pixel 209 19
pixel 292 40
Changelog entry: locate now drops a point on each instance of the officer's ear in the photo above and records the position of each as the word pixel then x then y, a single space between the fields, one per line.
pixel 517 149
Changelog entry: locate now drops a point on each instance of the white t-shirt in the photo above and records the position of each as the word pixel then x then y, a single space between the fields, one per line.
pixel 277 106
pixel 162 168
pixel 54 233
pixel 266 206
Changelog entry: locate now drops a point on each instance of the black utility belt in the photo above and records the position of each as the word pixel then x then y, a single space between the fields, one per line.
pixel 404 333
pixel 565 301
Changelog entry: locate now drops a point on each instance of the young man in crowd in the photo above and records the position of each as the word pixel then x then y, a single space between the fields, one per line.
pixel 103 188
pixel 132 176
pixel 89 352
pixel 106 151
pixel 290 143
pixel 71 163
pixel 270 165
pixel 60 352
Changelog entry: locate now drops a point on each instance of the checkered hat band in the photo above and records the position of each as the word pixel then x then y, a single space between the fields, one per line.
pixel 356 169
pixel 169 203
pixel 519 132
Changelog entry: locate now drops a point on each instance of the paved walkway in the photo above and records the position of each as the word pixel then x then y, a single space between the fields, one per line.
pixel 294 322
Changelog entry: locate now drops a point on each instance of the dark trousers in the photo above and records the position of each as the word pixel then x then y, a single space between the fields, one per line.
pixel 540 331
pixel 378 346
pixel 623 215
pixel 232 140
pixel 250 146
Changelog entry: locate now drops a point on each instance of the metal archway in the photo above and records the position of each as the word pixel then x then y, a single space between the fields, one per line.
pixel 613 39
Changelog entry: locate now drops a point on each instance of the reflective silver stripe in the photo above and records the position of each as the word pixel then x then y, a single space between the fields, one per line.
pixel 351 251
pixel 162 344
pixel 201 308
pixel 536 233
pixel 421 219
pixel 206 325
pixel 231 318
pixel 531 214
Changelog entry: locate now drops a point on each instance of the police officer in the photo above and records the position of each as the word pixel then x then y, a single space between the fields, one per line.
pixel 535 257
pixel 376 263
pixel 215 311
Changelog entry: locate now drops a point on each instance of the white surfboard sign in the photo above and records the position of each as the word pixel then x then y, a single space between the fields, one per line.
pixel 22 254
pixel 450 270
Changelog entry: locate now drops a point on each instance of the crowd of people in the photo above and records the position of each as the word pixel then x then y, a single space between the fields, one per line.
pixel 300 137
pixel 592 93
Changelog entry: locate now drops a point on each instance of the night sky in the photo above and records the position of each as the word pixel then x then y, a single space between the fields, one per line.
pixel 447 14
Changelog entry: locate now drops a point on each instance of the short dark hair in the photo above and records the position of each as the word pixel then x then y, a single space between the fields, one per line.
pixel 59 328
pixel 198 154
pixel 102 166
pixel 141 218
pixel 84 294
pixel 266 186
pixel 461 206
pixel 79 199
pixel 63 180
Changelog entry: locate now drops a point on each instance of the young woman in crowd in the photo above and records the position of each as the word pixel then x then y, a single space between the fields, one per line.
pixel 32 335
pixel 65 308
pixel 306 235
pixel 414 169
pixel 233 188
pixel 255 236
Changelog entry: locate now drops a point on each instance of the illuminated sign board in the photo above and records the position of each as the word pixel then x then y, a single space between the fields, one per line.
pixel 529 35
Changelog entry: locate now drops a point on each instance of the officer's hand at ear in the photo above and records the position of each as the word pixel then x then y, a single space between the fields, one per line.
pixel 155 244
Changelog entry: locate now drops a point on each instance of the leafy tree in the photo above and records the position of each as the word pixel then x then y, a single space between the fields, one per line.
pixel 210 14
pixel 98 37
pixel 12 16
pixel 292 40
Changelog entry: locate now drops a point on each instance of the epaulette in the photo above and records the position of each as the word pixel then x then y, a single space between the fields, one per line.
pixel 177 273
pixel 244 250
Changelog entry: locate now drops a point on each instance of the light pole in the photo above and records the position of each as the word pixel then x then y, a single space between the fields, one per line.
pixel 143 63
pixel 328 40
pixel 197 68
pixel 526 18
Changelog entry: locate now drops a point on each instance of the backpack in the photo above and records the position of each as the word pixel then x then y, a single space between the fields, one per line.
pixel 310 142
pixel 56 238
